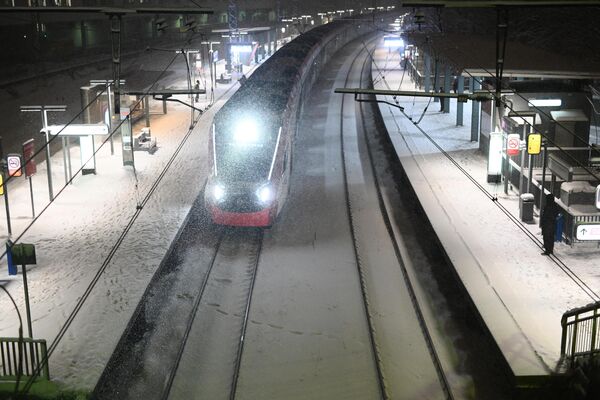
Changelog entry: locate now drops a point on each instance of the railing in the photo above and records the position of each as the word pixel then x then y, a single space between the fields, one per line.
pixel 580 336
pixel 23 357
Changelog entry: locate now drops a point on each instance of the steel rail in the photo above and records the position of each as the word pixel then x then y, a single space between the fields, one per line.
pixel 388 224
pixel 238 360
pixel 190 322
pixel 363 286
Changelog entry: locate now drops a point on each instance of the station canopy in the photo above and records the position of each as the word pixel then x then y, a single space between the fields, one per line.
pixel 551 42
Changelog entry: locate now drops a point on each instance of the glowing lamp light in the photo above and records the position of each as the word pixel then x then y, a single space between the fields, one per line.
pixel 246 132
pixel 544 103
pixel 218 192
pixel 598 197
pixel 264 194
pixel 393 42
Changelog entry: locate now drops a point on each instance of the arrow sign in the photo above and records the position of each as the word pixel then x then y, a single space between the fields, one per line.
pixel 588 231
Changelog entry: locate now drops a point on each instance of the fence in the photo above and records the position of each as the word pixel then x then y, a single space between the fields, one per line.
pixel 23 357
pixel 580 333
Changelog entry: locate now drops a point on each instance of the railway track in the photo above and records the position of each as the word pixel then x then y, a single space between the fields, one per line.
pixel 361 69
pixel 188 334
pixel 210 271
pixel 465 359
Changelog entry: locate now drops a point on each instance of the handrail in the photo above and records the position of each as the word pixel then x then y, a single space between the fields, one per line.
pixel 580 335
pixel 23 357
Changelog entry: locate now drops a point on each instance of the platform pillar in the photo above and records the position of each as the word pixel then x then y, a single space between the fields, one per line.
pixel 460 88
pixel 475 85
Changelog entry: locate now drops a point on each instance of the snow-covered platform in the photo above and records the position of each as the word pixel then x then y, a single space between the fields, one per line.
pixel 520 295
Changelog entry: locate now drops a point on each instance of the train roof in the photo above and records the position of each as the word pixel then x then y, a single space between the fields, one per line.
pixel 268 88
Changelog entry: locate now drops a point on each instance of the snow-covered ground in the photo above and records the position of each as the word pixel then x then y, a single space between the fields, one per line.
pixel 520 294
pixel 75 235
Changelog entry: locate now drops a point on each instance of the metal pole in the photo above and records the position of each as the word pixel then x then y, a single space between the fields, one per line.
pixel 427 72
pixel 506 168
pixel 6 203
pixel 3 167
pixel 522 161
pixel 27 307
pixel 147 110
pixel 475 108
pixel 69 160
pixel 460 88
pixel 47 146
pixel 530 173
pixel 447 86
pixel 110 117
pixel 31 193
pixel 64 151
pixel 542 194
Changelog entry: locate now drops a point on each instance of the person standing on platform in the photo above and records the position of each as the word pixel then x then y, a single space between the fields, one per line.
pixel 197 87
pixel 548 224
pixel 441 99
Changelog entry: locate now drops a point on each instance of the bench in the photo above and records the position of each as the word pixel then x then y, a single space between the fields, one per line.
pixel 144 142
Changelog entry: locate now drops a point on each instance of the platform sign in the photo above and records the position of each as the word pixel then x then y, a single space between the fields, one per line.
pixel 494 157
pixel 513 141
pixel 124 112
pixel 587 231
pixel 23 254
pixel 28 152
pixel 13 162
pixel 534 143
pixel 1 184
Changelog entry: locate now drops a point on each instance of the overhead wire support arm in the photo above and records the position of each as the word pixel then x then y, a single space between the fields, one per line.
pixel 463 97
pixel 167 97
pixel 107 10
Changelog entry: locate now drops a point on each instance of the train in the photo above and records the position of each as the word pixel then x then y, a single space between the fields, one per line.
pixel 251 141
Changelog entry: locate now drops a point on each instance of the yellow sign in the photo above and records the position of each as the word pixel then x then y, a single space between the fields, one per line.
pixel 1 184
pixel 534 143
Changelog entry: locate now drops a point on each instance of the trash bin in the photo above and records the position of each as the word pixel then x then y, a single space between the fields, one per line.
pixel 526 201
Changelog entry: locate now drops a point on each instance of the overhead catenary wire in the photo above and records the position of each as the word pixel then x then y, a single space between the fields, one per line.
pixel 510 107
pixel 557 261
pixel 121 237
pixel 119 241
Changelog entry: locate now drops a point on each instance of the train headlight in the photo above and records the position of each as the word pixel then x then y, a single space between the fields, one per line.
pixel 264 194
pixel 218 192
pixel 246 131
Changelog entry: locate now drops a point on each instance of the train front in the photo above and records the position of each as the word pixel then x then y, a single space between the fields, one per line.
pixel 241 189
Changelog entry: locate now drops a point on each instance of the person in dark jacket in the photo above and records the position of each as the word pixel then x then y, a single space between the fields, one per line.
pixel 548 223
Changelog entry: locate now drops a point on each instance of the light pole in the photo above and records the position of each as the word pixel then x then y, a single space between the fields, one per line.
pixel 211 64
pixel 44 110
pixel 186 53
pixel 108 83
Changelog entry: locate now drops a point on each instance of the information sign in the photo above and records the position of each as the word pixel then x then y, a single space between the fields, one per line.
pixel 534 143
pixel 28 152
pixel 513 142
pixel 14 164
pixel 23 254
pixel 588 232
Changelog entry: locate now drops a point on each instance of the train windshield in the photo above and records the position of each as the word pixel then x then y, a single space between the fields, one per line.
pixel 244 148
